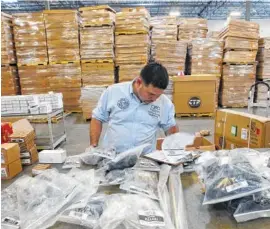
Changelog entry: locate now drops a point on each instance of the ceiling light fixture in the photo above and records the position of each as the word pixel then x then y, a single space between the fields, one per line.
pixel 174 13
pixel 235 13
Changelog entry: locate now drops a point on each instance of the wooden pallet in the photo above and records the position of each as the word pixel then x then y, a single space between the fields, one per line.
pixel 7 65
pixel 73 111
pixel 97 61
pixel 234 106
pixel 64 62
pixel 99 7
pixel 107 23
pixel 33 64
pixel 132 32
pixel 239 49
pixel 240 63
pixel 198 115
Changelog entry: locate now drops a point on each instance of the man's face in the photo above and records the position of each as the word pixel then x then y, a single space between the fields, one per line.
pixel 147 94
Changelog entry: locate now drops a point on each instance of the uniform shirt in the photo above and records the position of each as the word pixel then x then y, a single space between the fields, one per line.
pixel 131 122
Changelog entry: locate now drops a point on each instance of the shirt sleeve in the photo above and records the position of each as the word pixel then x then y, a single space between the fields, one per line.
pixel 101 112
pixel 168 120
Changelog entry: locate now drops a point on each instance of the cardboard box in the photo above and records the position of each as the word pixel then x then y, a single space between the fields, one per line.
pixel 11 170
pixel 194 94
pixel 238 129
pixel 52 156
pixel 39 168
pixel 9 152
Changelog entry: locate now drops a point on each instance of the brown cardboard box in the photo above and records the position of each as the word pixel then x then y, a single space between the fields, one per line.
pixel 22 129
pixel 39 168
pixel 194 94
pixel 11 170
pixel 9 152
pixel 239 128
pixel 200 143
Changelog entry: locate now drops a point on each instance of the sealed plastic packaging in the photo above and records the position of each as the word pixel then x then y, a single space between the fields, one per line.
pixel 177 141
pixel 128 211
pixel 72 162
pixel 141 182
pixel 42 198
pixel 147 165
pixel 115 177
pixel 231 177
pixel 86 215
pixel 258 207
pixel 88 157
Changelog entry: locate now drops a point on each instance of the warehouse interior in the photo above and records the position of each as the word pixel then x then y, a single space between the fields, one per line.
pixel 62 62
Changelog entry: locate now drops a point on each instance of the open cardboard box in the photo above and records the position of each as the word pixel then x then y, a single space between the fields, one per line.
pixel 200 143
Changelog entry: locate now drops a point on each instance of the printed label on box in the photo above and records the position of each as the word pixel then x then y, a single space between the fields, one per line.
pixel 2 158
pixel 26 161
pixel 234 130
pixel 244 134
pixel 11 222
pixel 151 218
pixel 4 172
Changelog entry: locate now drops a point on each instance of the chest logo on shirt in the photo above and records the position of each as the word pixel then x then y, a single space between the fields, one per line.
pixel 154 111
pixel 123 103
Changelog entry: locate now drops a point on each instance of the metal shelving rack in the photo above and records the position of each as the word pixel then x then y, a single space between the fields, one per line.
pixel 57 117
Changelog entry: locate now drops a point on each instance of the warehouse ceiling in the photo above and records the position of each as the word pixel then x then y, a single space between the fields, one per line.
pixel 215 10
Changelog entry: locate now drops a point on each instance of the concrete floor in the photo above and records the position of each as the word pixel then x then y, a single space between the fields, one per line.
pixel 199 217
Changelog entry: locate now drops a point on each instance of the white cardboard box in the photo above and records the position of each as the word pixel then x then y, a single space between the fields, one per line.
pixel 52 156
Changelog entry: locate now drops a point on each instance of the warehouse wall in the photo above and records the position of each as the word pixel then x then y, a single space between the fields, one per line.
pixel 217 25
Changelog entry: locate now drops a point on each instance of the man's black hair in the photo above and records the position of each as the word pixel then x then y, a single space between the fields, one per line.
pixel 155 74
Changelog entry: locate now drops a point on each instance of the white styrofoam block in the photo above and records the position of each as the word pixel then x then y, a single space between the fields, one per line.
pixel 52 156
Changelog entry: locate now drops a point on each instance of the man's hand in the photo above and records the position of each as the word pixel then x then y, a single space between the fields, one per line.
pixel 172 130
pixel 95 131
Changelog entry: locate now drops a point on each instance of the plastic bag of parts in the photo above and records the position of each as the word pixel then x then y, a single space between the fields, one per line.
pixel 178 156
pixel 115 177
pixel 257 207
pixel 72 162
pixel 88 178
pixel 42 198
pixel 177 198
pixel 141 182
pixel 86 215
pixel 126 159
pixel 231 177
pixel 128 211
pixel 89 158
pixel 9 204
pixel 147 165
pixel 177 141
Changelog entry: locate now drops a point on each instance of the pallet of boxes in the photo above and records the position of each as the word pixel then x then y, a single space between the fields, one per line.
pixel 62 33
pixel 97 50
pixel 24 135
pixel 166 49
pixel 31 49
pixel 239 66
pixel 10 84
pixel 132 42
pixel 263 69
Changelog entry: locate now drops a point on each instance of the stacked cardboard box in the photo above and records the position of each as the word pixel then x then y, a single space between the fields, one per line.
pixel 66 79
pixel 263 58
pixel 10 160
pixel 10 83
pixel 24 135
pixel 97 45
pixel 132 43
pixel 241 45
pixel 89 99
pixel 34 79
pixel 262 92
pixel 205 57
pixel 7 40
pixel 213 34
pixel 235 84
pixel 191 28
pixel 165 48
pixel 30 38
pixel 62 33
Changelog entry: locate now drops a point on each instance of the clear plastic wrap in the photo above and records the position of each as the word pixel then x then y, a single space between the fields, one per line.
pixel 177 141
pixel 86 215
pixel 177 198
pixel 250 209
pixel 141 182
pixel 128 211
pixel 88 157
pixel 126 159
pixel 72 162
pixel 9 204
pixel 231 177
pixel 42 198
pixel 147 165
pixel 115 177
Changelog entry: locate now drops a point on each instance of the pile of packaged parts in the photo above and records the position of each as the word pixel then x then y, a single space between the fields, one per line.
pixel 76 197
pixel 240 179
